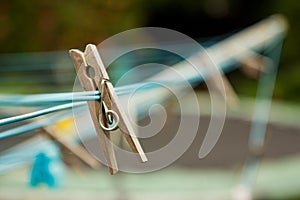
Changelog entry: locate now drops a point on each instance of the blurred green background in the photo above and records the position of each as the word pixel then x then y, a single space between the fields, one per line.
pixel 54 26
pixel 51 25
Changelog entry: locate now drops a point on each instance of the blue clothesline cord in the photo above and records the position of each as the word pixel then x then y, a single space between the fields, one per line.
pixel 34 125
pixel 45 60
pixel 59 97
pixel 67 97
pixel 41 123
pixel 40 113
pixel 41 99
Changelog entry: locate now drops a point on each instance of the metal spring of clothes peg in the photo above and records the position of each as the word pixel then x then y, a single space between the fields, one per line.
pixel 108 119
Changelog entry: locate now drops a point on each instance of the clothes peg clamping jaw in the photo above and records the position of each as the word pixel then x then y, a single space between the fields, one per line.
pixel 106 113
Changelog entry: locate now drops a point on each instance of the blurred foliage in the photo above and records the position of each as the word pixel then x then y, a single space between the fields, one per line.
pixel 42 25
pixel 288 81
pixel 46 25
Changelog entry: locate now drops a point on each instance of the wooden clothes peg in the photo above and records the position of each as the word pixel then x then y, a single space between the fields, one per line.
pixel 106 113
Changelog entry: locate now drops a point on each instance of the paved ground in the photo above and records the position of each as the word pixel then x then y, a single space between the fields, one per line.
pixel 276 180
pixel 214 177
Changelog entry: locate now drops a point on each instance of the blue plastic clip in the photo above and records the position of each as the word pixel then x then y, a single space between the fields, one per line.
pixel 47 169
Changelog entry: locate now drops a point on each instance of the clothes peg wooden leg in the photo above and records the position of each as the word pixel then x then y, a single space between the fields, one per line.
pixel 124 124
pixel 94 106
